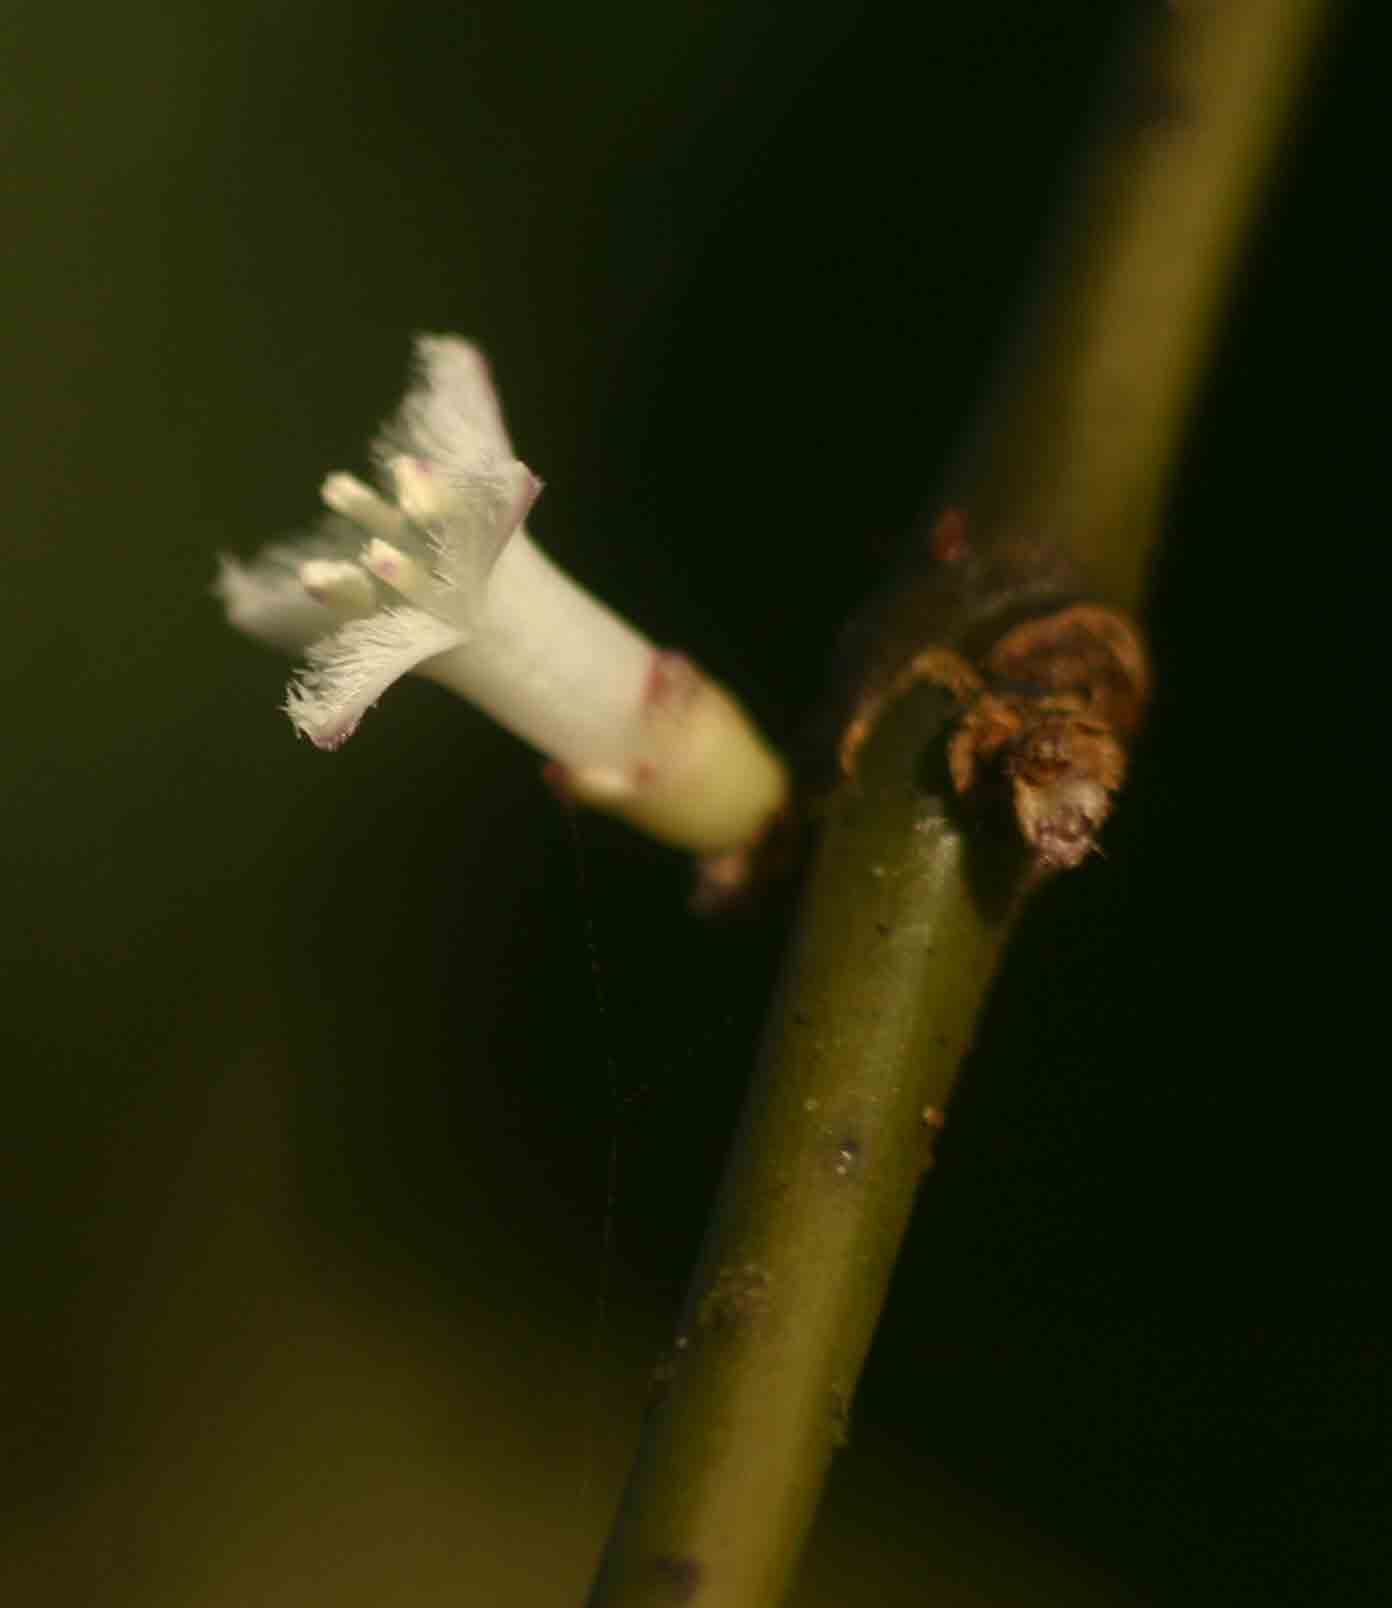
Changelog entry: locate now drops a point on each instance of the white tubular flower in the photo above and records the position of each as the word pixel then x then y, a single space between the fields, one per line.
pixel 440 578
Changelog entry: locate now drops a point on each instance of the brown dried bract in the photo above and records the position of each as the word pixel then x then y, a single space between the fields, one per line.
pixel 1045 718
pixel 1060 764
pixel 990 725
pixel 1063 769
pixel 1093 654
pixel 948 669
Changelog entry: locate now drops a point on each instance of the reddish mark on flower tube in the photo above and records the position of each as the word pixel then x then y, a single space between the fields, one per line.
pixel 672 679
pixel 680 1578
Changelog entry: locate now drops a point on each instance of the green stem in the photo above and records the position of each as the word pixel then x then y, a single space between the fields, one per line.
pixel 909 907
pixel 1087 424
pixel 876 1008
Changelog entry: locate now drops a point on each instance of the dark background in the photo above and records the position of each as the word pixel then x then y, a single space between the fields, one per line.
pixel 319 1290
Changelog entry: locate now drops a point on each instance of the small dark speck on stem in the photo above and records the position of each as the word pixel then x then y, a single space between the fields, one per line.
pixel 736 1298
pixel 840 1418
pixel 932 1122
pixel 683 1577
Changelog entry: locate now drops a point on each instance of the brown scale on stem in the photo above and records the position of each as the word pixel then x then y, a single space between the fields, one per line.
pixel 737 1297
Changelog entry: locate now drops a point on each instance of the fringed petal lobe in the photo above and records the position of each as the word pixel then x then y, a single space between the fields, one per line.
pixel 451 411
pixel 346 673
pixel 478 520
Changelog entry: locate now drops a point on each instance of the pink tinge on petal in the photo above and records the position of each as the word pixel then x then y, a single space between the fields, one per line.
pixel 528 488
pixel 328 741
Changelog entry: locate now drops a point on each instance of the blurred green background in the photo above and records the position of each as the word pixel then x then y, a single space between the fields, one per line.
pixel 316 1066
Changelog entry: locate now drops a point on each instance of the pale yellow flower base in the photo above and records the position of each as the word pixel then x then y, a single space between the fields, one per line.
pixel 708 784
